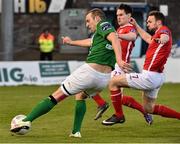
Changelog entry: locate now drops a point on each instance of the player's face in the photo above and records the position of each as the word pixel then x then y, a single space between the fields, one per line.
pixel 91 23
pixel 152 24
pixel 122 17
pixel 46 33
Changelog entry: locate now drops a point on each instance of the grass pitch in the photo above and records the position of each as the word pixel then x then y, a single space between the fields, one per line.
pixel 55 126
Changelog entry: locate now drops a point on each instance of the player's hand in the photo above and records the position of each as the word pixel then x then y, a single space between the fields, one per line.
pixel 133 21
pixel 126 67
pixel 157 40
pixel 66 40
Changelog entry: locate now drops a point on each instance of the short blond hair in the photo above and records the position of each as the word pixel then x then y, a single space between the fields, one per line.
pixel 97 12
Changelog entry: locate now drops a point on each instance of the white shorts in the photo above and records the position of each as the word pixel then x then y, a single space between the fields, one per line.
pixel 86 79
pixel 117 71
pixel 148 81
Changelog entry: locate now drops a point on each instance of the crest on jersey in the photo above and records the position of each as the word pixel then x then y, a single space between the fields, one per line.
pixel 105 26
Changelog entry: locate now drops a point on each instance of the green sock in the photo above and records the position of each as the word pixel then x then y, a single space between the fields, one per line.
pixel 80 111
pixel 41 108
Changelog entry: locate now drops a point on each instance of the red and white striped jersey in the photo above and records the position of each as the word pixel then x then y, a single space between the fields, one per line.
pixel 157 54
pixel 127 46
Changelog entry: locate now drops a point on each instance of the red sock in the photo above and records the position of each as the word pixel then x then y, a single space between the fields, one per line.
pixel 117 102
pixel 99 100
pixel 131 102
pixel 166 112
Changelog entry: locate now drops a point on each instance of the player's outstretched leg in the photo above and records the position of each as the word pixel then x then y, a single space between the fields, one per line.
pixel 132 103
pixel 43 107
pixel 166 112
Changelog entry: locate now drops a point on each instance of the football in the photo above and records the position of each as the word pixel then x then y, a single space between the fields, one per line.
pixel 18 126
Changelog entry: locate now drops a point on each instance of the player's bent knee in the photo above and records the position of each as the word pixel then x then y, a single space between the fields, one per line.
pixel 148 108
pixel 80 96
pixel 113 86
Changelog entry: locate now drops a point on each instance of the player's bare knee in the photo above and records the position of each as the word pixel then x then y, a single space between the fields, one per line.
pixel 80 96
pixel 148 108
pixel 112 85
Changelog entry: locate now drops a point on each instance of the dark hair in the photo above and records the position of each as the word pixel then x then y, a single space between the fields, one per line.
pixel 126 8
pixel 46 30
pixel 97 12
pixel 158 16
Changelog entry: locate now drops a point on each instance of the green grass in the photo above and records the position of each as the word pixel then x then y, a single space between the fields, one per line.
pixel 56 125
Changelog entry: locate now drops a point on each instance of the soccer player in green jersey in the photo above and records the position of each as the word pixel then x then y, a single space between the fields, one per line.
pixel 90 78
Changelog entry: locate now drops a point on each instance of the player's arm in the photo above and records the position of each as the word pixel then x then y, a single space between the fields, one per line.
pixel 131 36
pixel 112 37
pixel 82 43
pixel 164 38
pixel 144 35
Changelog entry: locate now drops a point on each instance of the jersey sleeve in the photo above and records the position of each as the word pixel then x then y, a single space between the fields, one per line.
pixel 104 28
pixel 164 31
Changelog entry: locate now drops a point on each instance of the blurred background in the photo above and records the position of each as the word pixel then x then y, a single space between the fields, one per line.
pixel 22 21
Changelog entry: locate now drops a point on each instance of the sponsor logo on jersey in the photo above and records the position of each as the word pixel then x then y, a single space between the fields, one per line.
pixel 133 30
pixel 108 46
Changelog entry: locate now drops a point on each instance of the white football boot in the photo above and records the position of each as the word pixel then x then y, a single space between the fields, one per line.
pixel 76 135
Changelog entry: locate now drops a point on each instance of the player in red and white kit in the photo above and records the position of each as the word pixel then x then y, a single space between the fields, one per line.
pixel 152 77
pixel 127 35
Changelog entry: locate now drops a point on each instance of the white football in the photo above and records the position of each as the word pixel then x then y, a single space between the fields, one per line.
pixel 18 126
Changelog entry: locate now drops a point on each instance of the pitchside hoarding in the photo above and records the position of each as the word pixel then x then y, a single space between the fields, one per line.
pixel 54 72
pixel 33 73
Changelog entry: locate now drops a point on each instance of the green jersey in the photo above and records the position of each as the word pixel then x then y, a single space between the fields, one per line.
pixel 101 51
